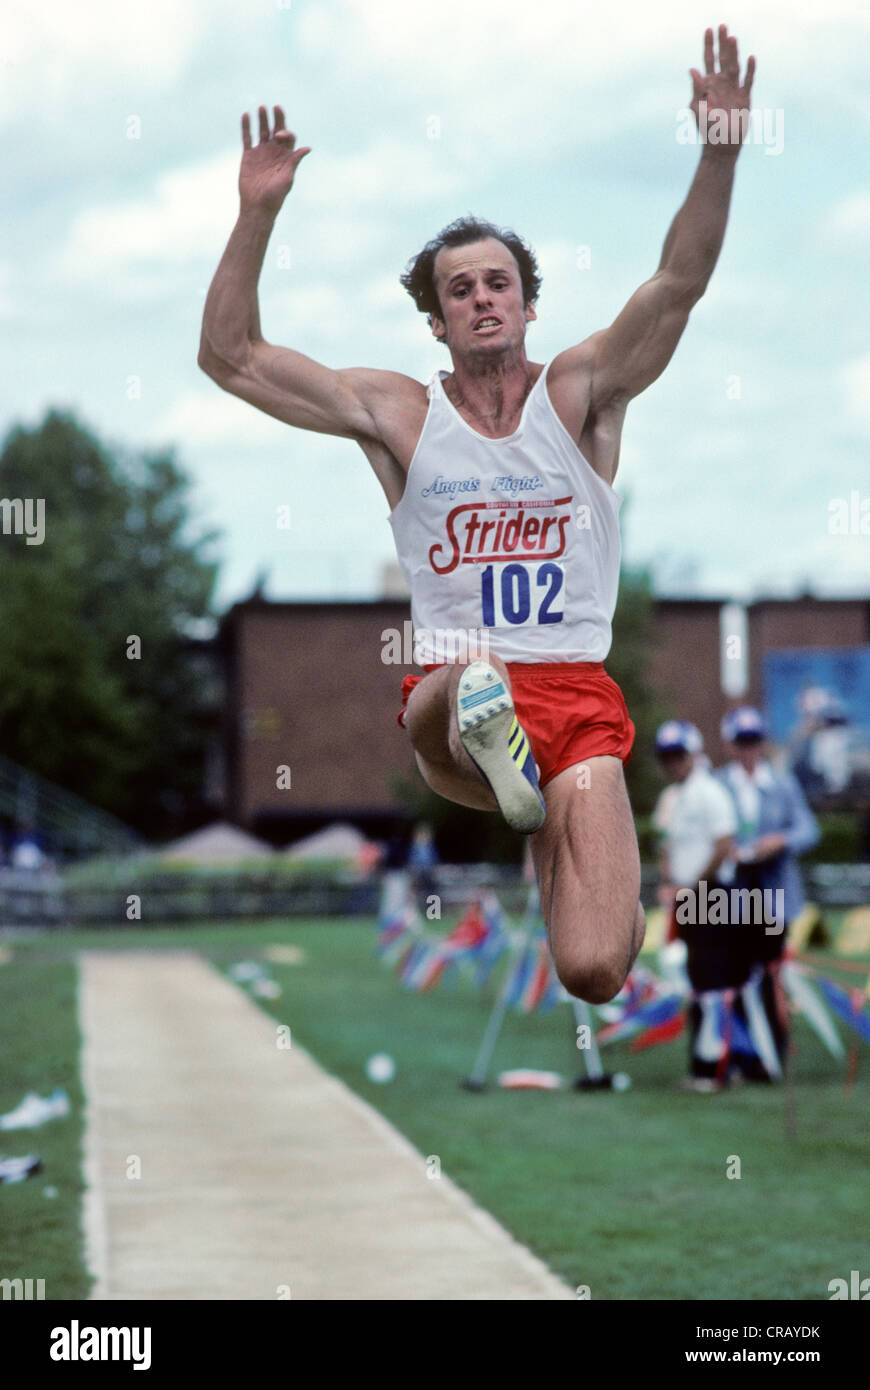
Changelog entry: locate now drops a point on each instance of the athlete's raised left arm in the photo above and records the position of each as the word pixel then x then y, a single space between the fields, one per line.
pixel 629 355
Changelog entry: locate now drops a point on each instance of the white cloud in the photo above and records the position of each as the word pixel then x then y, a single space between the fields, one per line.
pixel 389 173
pixel 556 117
pixel 7 300
pixel 190 211
pixel 384 294
pixel 501 48
pixel 847 224
pixel 316 303
pixel 213 417
pixel 339 237
pixel 855 381
pixel 52 48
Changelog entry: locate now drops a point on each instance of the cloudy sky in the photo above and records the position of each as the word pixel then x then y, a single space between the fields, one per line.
pixel 121 151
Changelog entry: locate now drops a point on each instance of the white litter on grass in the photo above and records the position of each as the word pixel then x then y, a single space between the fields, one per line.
pixel 17 1169
pixel 285 955
pixel 34 1110
pixel 266 989
pixel 49 1192
pixel 247 970
pixel 528 1079
pixel 380 1067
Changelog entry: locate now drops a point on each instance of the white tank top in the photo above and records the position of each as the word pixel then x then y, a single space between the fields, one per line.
pixel 511 544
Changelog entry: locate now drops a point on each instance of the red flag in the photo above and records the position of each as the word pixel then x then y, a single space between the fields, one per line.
pixel 659 1033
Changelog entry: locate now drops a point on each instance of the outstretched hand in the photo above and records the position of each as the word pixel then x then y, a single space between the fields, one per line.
pixel 721 91
pixel 268 169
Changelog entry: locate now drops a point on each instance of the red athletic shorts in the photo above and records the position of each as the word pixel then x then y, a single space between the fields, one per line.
pixel 570 710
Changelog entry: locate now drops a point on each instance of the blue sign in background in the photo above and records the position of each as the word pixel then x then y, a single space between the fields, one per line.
pixel 843 670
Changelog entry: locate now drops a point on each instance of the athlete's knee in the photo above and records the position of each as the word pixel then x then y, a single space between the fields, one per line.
pixel 595 980
pixel 595 971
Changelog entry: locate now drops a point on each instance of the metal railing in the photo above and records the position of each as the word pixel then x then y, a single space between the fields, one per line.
pixel 43 899
pixel 29 899
pixel 73 826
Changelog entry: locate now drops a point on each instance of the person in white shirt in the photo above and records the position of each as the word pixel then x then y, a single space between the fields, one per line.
pixel 697 822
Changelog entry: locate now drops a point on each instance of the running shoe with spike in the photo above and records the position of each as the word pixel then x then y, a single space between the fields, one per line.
pixel 497 743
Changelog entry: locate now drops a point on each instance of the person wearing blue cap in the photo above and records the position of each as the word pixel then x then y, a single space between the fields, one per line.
pixel 696 820
pixel 775 826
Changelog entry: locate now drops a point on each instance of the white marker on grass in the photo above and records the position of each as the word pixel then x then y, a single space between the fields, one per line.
pixel 380 1067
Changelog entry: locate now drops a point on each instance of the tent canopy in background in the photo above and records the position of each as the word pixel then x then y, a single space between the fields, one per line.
pixel 218 843
pixel 337 841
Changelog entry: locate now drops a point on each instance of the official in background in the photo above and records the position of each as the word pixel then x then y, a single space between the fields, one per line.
pixel 774 826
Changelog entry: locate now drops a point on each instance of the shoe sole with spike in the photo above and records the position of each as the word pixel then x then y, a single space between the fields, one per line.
pixel 498 745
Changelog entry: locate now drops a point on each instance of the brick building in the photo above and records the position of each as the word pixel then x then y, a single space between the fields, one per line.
pixel 685 666
pixel 307 689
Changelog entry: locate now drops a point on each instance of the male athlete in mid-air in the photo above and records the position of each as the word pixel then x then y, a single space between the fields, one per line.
pixel 499 478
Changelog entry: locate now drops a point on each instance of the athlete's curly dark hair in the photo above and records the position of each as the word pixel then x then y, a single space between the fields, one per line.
pixel 419 280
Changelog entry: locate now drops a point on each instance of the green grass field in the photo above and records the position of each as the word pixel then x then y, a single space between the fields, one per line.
pixel 626 1193
pixel 39 1231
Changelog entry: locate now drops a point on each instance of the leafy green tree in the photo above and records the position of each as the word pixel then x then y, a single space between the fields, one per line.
pixel 629 665
pixel 119 723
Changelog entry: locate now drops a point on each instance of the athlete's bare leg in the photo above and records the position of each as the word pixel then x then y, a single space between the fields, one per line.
pixel 430 718
pixel 588 868
pixel 586 856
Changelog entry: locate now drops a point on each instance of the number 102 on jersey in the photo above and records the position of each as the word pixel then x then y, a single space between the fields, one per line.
pixel 518 595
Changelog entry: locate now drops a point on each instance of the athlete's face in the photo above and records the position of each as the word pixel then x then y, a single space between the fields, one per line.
pixel 481 297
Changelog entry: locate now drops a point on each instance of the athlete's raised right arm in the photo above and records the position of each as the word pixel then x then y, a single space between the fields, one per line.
pixel 287 384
